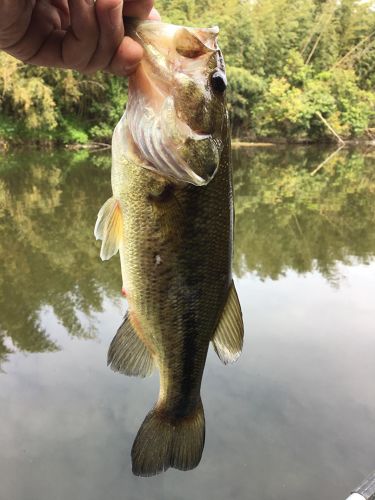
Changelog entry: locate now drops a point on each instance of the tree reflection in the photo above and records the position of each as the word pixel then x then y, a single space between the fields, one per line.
pixel 48 207
pixel 288 219
pixel 285 219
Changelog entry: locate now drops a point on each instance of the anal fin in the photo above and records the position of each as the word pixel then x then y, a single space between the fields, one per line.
pixel 228 337
pixel 127 353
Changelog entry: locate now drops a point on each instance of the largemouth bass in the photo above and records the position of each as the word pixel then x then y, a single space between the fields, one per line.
pixel 171 219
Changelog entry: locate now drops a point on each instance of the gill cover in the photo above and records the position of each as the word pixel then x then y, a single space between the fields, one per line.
pixel 175 117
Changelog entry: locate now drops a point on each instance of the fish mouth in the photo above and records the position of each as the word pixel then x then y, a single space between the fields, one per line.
pixel 201 133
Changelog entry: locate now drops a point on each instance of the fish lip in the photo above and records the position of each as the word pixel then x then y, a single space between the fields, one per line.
pixel 199 136
pixel 205 134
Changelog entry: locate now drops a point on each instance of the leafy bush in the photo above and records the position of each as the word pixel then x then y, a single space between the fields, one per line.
pixel 73 133
pixel 244 90
pixel 288 63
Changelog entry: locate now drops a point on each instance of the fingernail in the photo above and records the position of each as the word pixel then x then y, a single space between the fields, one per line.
pixel 90 2
pixel 115 16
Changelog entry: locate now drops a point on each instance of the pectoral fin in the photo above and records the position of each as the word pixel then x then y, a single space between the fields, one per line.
pixel 228 338
pixel 127 353
pixel 108 228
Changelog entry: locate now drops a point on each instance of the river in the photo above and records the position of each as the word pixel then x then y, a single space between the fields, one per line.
pixel 293 418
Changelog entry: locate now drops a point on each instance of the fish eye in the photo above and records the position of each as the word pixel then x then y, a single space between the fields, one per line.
pixel 219 81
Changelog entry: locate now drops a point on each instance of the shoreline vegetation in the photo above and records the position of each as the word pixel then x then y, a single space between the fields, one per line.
pixel 298 73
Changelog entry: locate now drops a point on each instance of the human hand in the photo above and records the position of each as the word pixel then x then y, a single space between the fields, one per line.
pixel 77 34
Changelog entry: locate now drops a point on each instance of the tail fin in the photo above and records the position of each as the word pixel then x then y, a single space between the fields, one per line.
pixel 162 442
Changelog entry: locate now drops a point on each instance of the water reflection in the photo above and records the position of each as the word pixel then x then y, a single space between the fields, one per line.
pixel 285 219
pixel 48 206
pixel 280 420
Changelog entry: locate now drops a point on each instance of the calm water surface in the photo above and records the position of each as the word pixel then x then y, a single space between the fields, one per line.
pixel 293 418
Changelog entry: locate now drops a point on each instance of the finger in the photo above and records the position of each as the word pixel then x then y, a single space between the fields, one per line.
pixel 81 41
pixel 138 8
pixel 63 8
pixel 50 53
pixel 111 27
pixel 127 58
pixel 44 19
pixel 14 21
pixel 11 11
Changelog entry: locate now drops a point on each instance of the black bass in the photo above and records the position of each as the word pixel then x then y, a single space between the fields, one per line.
pixel 171 219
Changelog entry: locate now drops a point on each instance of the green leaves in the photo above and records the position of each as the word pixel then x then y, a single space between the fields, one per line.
pixel 286 62
pixel 287 218
pixel 51 105
pixel 289 106
pixel 244 91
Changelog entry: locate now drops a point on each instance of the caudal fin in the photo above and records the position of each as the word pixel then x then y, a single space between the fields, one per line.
pixel 163 442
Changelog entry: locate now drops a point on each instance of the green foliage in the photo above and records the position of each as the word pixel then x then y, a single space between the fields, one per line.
pixel 291 105
pixel 287 218
pixel 28 96
pixel 356 106
pixel 49 105
pixel 73 133
pixel 287 63
pixel 244 91
pixel 50 261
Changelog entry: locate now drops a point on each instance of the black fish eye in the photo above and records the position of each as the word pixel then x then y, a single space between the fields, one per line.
pixel 219 81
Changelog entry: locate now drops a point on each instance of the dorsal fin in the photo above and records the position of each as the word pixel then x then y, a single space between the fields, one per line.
pixel 228 337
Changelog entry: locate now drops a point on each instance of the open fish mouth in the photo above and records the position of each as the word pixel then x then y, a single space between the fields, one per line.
pixel 174 132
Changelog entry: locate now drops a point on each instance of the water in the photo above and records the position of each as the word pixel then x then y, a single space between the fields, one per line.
pixel 293 418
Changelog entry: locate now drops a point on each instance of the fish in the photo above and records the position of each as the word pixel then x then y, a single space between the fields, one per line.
pixel 171 220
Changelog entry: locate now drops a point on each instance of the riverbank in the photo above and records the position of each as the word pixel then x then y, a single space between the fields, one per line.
pixel 238 143
pixel 8 145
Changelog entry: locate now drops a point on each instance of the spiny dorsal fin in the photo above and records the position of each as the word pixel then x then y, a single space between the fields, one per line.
pixel 108 228
pixel 127 353
pixel 228 338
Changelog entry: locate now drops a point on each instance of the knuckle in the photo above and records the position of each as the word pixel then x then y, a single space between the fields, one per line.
pixel 76 58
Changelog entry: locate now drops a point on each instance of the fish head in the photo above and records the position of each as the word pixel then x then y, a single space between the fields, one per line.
pixel 176 110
